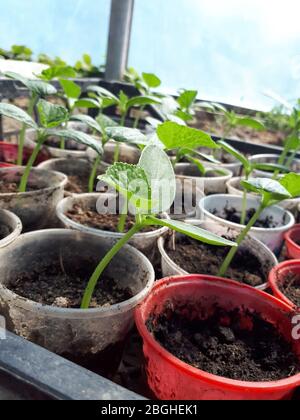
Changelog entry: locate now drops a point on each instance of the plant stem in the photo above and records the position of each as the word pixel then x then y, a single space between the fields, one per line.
pixel 244 205
pixel 23 132
pixel 291 159
pixel 242 236
pixel 88 294
pixel 94 174
pixel 117 149
pixel 137 119
pixel 24 179
pixel 123 216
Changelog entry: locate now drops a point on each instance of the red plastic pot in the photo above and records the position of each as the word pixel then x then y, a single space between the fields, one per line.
pixel 9 154
pixel 278 275
pixel 291 239
pixel 171 379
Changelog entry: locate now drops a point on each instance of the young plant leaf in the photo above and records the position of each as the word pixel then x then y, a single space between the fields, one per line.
pixel 187 99
pixel 51 115
pixel 192 231
pixel 200 166
pixel 274 189
pixel 127 135
pixel 184 116
pixel 131 181
pixel 36 87
pixel 55 72
pixel 161 177
pixel 151 80
pixel 270 167
pixel 141 101
pixel 88 103
pixel 12 111
pixel 291 183
pixel 251 123
pixel 89 121
pixel 102 92
pixel 78 137
pixel 104 121
pixel 175 136
pixel 235 153
pixel 71 89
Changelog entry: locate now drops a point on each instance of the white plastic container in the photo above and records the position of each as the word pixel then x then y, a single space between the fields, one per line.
pixel 11 224
pixel 270 158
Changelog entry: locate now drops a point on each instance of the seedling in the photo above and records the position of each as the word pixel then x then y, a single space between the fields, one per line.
pixel 50 118
pixel 232 121
pixel 37 90
pixel 187 103
pixel 272 192
pixel 249 167
pixel 149 189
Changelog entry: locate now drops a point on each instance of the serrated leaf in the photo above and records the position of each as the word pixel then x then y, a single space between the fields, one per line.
pixel 263 186
pixel 236 154
pixel 175 136
pixel 51 115
pixel 127 135
pixel 12 111
pixel 142 101
pixel 131 181
pixel 151 80
pixel 89 121
pixel 192 231
pixel 78 137
pixel 161 177
pixel 291 183
pixel 70 88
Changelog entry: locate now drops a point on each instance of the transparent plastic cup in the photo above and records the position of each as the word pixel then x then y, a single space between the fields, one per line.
pixel 12 224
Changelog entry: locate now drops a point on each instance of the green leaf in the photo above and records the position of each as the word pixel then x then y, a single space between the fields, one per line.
pixel 78 137
pixel 208 158
pixel 291 183
pixel 151 80
pixel 104 121
pixel 70 88
pixel 36 87
pixel 184 116
pixel 175 136
pixel 87 59
pixel 127 135
pixel 12 111
pixel 262 186
pixel 102 92
pixel 293 142
pixel 89 121
pixel 270 167
pixel 200 166
pixel 251 123
pixel 51 115
pixel 187 99
pixel 141 101
pixel 88 103
pixel 161 178
pixel 131 181
pixel 236 154
pixel 55 72
pixel 192 231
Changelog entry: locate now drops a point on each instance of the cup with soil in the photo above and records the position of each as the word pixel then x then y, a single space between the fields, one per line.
pixel 234 188
pixel 226 160
pixel 40 296
pixel 36 207
pixel 208 338
pixel 284 280
pixel 271 158
pixel 188 194
pixel 292 241
pixel 10 228
pixel 214 181
pixel 78 172
pixel 181 255
pixel 226 210
pixel 80 213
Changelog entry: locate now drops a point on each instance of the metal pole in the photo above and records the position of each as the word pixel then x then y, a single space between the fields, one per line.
pixel 119 39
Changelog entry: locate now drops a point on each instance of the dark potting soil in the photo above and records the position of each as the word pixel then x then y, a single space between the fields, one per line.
pixel 105 222
pixel 232 215
pixel 77 184
pixel 69 144
pixel 4 231
pixel 290 287
pixel 198 258
pixel 51 285
pixel 230 345
pixel 13 187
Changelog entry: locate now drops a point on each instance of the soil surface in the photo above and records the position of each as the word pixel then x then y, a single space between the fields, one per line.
pixel 105 222
pixel 13 187
pixel 198 258
pixel 232 215
pixel 231 345
pixel 51 285
pixel 4 231
pixel 291 288
pixel 77 184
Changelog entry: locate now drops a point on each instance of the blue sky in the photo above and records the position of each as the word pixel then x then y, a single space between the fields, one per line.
pixel 229 50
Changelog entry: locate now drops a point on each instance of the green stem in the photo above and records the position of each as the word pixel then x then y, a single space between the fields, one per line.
pixel 137 119
pixel 94 174
pixel 23 132
pixel 88 294
pixel 24 179
pixel 244 205
pixel 242 236
pixel 291 159
pixel 117 149
pixel 123 217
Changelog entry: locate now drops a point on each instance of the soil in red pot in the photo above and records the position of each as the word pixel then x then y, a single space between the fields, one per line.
pixel 232 215
pixel 197 258
pixel 235 345
pixel 105 222
pixel 290 287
